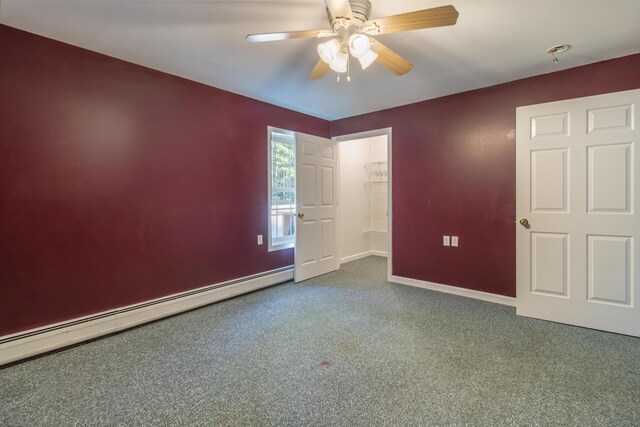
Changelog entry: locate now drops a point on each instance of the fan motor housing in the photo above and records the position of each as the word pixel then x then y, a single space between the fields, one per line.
pixel 360 10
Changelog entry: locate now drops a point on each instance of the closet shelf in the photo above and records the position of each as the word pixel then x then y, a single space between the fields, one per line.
pixel 375 182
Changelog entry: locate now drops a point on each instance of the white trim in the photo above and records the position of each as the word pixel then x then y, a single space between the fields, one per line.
pixel 380 253
pixel 369 134
pixel 469 293
pixel 362 255
pixel 270 246
pixel 355 257
pixel 41 340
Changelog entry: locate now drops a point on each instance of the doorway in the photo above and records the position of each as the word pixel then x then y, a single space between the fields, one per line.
pixel 309 178
pixel 364 201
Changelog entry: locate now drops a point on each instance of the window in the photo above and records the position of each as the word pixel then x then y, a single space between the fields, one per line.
pixel 282 189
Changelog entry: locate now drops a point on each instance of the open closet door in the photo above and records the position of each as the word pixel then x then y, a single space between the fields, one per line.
pixel 316 191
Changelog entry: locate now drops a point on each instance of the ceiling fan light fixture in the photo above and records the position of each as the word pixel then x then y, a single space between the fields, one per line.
pixel 367 59
pixel 359 45
pixel 328 51
pixel 339 62
pixel 350 29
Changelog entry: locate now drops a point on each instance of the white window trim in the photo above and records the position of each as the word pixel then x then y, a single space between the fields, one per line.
pixel 272 248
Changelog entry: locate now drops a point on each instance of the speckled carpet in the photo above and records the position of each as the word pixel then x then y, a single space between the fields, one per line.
pixel 344 349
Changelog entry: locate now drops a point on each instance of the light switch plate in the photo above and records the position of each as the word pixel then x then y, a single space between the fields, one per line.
pixel 454 241
pixel 259 239
pixel 445 241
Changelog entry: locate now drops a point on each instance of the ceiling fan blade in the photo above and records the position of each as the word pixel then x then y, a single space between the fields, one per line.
pixel 269 37
pixel 394 62
pixel 339 8
pixel 427 18
pixel 319 71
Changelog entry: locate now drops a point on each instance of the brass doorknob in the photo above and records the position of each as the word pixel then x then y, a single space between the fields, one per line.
pixel 300 215
pixel 524 222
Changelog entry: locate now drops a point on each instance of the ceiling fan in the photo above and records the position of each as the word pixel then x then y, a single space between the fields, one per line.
pixel 352 29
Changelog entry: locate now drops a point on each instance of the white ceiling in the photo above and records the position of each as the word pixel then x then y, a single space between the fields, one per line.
pixel 493 42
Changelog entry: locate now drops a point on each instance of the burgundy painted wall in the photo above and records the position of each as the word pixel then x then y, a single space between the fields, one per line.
pixel 121 184
pixel 454 172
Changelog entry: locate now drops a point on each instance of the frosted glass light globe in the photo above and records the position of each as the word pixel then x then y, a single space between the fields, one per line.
pixel 329 50
pixel 339 63
pixel 367 59
pixel 359 44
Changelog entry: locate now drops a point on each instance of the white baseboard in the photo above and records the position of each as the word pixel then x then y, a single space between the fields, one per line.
pixel 350 258
pixel 361 255
pixel 469 293
pixel 41 340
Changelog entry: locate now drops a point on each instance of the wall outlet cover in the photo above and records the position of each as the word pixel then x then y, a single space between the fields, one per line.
pixel 454 241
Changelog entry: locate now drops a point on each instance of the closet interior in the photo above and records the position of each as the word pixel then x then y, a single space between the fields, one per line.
pixel 363 203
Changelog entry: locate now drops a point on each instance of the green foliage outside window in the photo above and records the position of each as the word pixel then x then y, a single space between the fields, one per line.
pixel 283 173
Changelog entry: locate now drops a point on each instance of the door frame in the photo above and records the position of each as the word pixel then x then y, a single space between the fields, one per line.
pixel 369 134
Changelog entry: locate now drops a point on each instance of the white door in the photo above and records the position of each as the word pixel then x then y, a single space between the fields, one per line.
pixel 577 172
pixel 316 189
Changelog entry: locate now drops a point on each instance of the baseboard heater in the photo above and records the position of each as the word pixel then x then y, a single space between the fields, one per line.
pixel 51 337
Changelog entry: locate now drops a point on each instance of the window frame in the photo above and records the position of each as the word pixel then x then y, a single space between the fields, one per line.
pixel 289 244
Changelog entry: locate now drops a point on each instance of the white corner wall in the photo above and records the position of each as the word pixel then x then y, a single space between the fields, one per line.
pixel 354 202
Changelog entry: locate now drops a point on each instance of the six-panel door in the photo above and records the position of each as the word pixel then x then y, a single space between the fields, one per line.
pixel 316 189
pixel 576 170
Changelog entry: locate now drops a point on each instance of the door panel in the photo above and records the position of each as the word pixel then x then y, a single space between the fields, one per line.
pixel 328 226
pixel 304 242
pixel 316 240
pixel 549 264
pixel 328 152
pixel 611 119
pixel 549 180
pixel 548 126
pixel 309 148
pixel 575 185
pixel 327 186
pixel 610 273
pixel 307 184
pixel 609 178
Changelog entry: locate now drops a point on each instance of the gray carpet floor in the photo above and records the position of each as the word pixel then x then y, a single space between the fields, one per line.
pixel 344 349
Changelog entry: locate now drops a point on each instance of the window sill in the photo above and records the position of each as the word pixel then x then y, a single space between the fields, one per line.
pixel 281 247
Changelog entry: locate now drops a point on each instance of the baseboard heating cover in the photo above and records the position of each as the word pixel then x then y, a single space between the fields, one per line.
pixel 51 337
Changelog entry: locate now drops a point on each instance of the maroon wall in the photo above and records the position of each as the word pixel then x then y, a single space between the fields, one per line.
pixel 120 184
pixel 454 172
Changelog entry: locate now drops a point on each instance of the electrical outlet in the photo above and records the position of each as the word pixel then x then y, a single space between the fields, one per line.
pixel 445 241
pixel 259 239
pixel 454 241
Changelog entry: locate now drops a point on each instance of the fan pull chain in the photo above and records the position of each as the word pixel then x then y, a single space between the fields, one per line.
pixel 349 68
